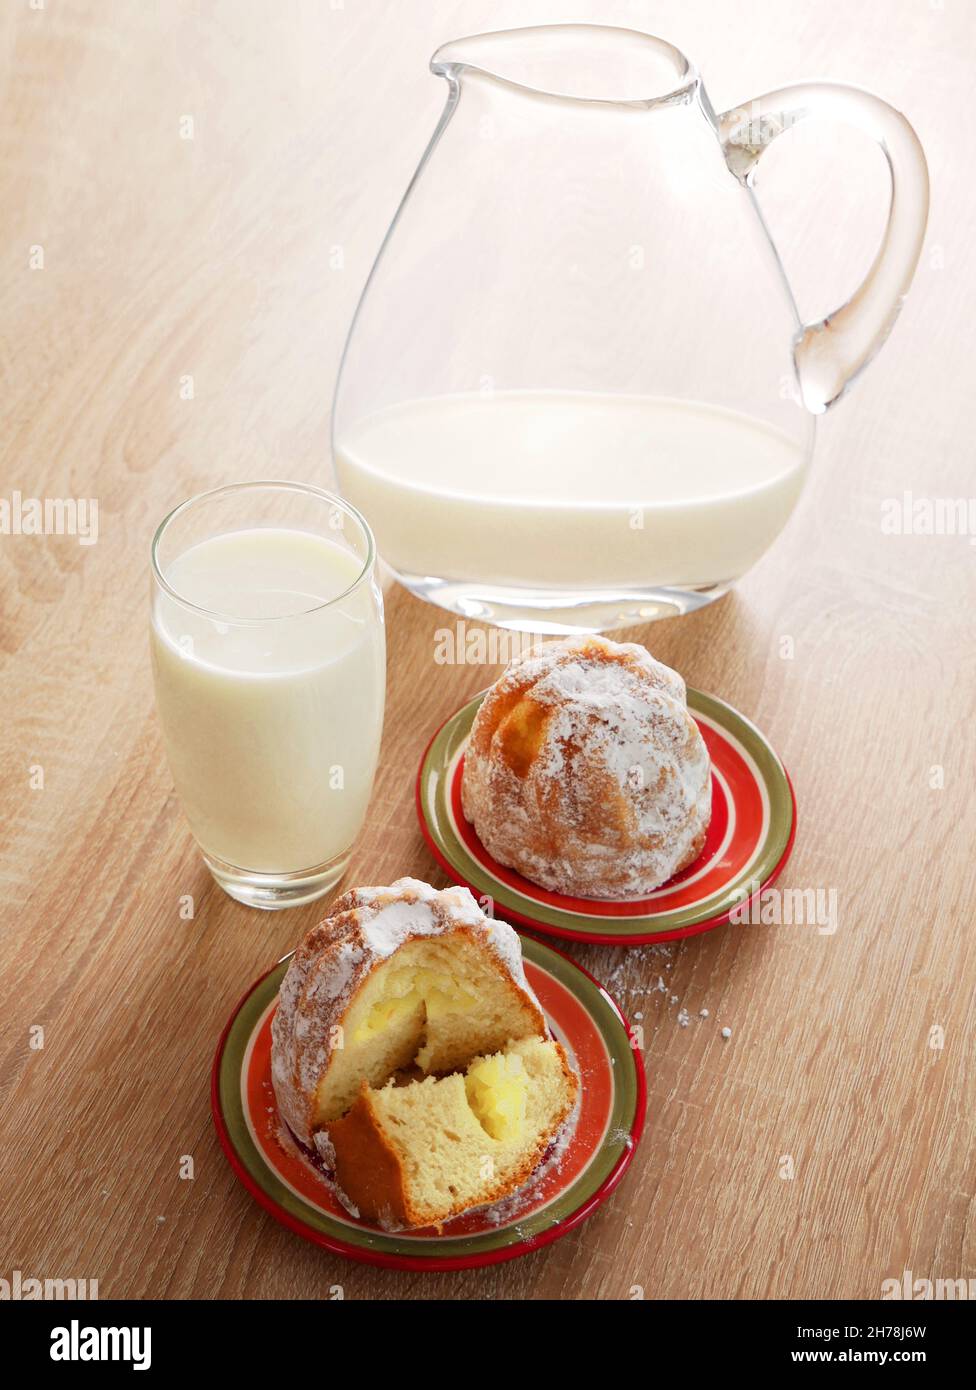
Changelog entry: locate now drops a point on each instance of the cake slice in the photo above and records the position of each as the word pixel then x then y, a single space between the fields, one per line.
pixel 419 1153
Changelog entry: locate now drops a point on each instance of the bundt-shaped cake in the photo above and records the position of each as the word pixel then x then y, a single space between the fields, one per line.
pixel 406 1031
pixel 586 773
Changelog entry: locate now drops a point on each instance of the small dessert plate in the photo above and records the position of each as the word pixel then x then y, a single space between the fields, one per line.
pixel 571 1183
pixel 748 842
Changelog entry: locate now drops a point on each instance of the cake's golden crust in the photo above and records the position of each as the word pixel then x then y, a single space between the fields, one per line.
pixel 368 1170
pixel 586 773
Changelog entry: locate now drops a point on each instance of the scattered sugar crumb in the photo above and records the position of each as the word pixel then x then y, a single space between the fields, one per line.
pixel 703 1013
pixel 627 976
pixel 684 1018
pixel 726 1032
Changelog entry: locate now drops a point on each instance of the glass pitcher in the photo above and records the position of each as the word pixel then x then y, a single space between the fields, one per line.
pixel 577 392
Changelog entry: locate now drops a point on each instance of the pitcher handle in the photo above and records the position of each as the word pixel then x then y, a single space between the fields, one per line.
pixel 828 355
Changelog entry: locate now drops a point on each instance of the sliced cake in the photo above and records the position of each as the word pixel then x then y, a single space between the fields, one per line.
pixel 408 1011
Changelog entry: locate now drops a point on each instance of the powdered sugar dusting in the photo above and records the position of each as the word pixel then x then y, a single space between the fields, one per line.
pixel 393 924
pixel 617 795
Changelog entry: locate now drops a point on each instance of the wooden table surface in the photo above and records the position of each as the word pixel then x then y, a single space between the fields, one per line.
pixel 213 258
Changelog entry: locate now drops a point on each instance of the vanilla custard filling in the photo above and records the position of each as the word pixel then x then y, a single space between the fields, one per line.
pixel 496 1088
pixel 409 992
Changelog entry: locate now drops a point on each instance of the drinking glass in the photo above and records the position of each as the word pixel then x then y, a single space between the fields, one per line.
pixel 268 657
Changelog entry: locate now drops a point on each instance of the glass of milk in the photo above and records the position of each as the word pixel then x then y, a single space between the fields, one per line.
pixel 268 656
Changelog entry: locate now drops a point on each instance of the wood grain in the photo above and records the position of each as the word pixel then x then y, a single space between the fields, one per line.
pixel 212 258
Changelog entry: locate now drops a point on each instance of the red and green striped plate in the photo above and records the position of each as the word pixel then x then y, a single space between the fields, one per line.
pixel 748 842
pixel 287 1183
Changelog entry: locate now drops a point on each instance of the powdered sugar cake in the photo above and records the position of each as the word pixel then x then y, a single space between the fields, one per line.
pixel 586 773
pixel 407 1046
pixel 582 1167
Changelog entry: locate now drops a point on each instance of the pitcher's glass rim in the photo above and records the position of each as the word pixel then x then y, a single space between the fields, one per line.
pixel 264 484
pixel 688 76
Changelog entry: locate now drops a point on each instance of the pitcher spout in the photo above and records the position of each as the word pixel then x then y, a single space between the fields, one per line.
pixel 574 62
